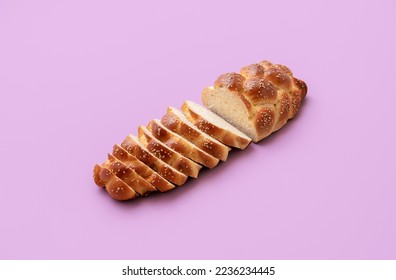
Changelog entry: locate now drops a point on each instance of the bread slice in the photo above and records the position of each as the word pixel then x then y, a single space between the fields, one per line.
pixel 167 155
pixel 115 187
pixel 129 176
pixel 259 100
pixel 181 145
pixel 215 126
pixel 175 121
pixel 132 145
pixel 142 169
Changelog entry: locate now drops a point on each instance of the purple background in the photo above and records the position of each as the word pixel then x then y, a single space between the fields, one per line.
pixel 78 76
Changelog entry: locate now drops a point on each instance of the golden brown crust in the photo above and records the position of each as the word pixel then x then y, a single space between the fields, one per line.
pixel 142 169
pixel 173 122
pixel 166 171
pixel 231 81
pixel 180 145
pixel 301 86
pixel 167 155
pixel 284 69
pixel 296 96
pixel 96 175
pixel 115 187
pixel 259 90
pixel 265 119
pixel 252 70
pixel 266 64
pixel 129 176
pixel 165 137
pixel 278 78
pixel 282 109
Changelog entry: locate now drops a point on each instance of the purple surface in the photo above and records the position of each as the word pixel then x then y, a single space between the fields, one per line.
pixel 78 76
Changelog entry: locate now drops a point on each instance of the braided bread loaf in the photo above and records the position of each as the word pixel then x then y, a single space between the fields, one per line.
pixel 244 106
pixel 259 100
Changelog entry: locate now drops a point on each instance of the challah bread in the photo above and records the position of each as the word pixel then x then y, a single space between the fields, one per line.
pixel 132 145
pixel 142 169
pixel 259 100
pixel 180 145
pixel 115 187
pixel 215 126
pixel 167 155
pixel 175 121
pixel 240 108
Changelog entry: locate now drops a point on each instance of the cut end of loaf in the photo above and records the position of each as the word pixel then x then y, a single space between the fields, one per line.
pixel 230 107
